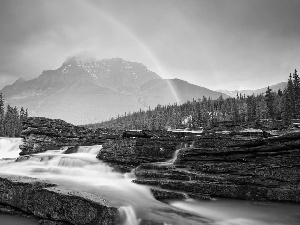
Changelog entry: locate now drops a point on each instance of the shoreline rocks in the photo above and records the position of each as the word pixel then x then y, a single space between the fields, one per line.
pixel 41 134
pixel 126 154
pixel 49 201
pixel 266 169
pixel 234 165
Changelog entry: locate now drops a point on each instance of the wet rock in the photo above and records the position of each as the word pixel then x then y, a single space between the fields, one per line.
pixel 51 222
pixel 71 149
pixel 265 169
pixel 41 134
pixel 167 194
pixel 126 154
pixel 48 201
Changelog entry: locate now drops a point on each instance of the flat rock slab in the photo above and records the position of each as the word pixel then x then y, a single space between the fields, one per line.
pixel 49 201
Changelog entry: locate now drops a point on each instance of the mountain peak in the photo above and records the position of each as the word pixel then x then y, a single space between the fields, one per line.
pixel 20 80
pixel 80 59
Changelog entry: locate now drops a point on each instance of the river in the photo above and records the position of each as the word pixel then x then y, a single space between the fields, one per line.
pixel 82 171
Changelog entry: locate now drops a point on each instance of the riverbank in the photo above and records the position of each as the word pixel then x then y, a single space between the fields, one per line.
pixel 248 164
pixel 213 165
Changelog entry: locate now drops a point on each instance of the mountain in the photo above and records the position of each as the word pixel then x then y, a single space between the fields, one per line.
pixel 274 88
pixel 88 90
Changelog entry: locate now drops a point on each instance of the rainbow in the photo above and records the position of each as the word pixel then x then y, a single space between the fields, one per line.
pixel 162 72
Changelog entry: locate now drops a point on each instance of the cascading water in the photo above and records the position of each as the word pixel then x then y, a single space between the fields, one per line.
pixel 128 216
pixel 9 147
pixel 171 161
pixel 81 171
pixel 84 172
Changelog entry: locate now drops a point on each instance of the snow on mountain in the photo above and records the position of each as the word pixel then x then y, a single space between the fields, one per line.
pixel 89 90
pixel 263 90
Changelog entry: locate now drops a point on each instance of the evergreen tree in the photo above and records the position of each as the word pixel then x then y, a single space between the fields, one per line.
pixel 296 85
pixel 270 103
pixel 1 115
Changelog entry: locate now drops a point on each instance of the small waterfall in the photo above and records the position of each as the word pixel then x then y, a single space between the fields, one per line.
pixel 127 216
pixel 171 161
pixel 192 144
pixel 9 147
pixel 90 149
pixel 67 162
pixel 130 175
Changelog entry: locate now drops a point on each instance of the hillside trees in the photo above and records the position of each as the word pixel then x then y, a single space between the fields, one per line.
pixel 1 115
pixel 10 119
pixel 205 112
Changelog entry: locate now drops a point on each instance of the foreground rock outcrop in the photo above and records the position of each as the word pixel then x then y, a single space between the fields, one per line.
pixel 126 154
pixel 50 204
pixel 265 169
pixel 233 165
pixel 41 134
pixel 49 201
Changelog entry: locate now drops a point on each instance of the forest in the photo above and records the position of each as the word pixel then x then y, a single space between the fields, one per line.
pixel 11 119
pixel 283 105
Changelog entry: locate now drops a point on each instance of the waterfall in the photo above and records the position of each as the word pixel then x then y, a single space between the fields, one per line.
pixel 80 171
pixel 127 216
pixel 9 147
pixel 90 149
pixel 171 161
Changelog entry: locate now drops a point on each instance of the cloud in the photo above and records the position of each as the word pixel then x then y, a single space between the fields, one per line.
pixel 218 44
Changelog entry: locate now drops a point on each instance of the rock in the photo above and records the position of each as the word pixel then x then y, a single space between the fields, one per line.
pixel 126 154
pixel 49 201
pixel 8 210
pixel 243 165
pixel 166 194
pixel 263 169
pixel 138 134
pixel 51 222
pixel 41 134
pixel 71 149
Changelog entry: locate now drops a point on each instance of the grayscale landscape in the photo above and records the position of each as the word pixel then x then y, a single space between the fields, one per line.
pixel 135 112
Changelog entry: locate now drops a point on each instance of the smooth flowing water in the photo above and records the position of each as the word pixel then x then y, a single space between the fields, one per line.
pixel 16 220
pixel 82 171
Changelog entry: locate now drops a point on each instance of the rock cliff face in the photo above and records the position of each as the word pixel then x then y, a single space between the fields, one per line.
pixel 222 166
pixel 41 134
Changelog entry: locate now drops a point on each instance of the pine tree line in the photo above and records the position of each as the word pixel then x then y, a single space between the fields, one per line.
pixel 281 105
pixel 10 119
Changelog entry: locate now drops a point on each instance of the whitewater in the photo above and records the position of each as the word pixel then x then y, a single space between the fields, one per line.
pixel 82 171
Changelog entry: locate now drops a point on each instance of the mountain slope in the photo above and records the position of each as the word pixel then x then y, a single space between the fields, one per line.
pixel 274 88
pixel 86 91
pixel 163 90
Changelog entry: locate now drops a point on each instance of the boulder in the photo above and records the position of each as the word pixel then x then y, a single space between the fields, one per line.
pixel 56 203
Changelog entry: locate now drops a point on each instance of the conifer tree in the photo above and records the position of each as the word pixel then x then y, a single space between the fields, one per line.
pixel 270 103
pixel 296 85
pixel 1 115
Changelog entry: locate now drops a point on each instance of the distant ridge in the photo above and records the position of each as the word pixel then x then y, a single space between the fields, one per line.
pixel 87 90
pixel 274 87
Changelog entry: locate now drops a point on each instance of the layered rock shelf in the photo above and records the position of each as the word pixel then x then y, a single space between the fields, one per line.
pixel 50 204
pixel 265 169
pixel 231 165
pixel 48 201
pixel 41 134
pixel 126 154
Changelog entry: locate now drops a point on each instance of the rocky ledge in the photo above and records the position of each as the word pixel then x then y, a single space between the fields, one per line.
pixel 232 165
pixel 265 169
pixel 50 204
pixel 48 201
pixel 41 134
pixel 126 154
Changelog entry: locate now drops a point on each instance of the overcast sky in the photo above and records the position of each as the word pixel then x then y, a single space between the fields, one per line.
pixel 218 44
